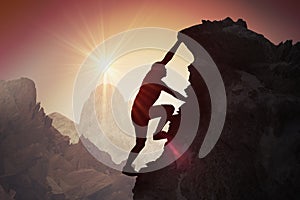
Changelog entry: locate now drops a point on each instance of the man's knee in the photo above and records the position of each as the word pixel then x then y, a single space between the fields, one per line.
pixel 169 110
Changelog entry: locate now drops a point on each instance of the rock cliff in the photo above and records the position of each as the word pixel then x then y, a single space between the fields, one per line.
pixel 257 155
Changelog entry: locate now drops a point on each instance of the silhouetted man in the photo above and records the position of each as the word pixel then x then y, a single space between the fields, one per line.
pixel 143 111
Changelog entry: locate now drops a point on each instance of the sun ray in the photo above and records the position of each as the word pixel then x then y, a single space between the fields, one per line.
pixel 93 39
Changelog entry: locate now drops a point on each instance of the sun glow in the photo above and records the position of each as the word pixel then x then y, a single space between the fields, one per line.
pixel 111 75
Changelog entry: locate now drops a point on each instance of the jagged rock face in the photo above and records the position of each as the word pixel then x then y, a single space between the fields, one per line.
pixel 234 47
pixel 257 155
pixel 37 162
pixel 18 102
pixel 65 126
pixel 25 143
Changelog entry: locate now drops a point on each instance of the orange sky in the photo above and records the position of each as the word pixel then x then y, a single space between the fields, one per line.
pixel 48 40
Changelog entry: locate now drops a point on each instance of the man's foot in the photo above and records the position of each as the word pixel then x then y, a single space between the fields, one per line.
pixel 129 171
pixel 160 135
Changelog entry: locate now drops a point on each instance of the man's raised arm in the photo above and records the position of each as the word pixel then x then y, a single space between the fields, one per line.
pixel 170 53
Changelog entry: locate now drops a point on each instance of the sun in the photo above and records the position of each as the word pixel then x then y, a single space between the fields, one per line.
pixel 111 76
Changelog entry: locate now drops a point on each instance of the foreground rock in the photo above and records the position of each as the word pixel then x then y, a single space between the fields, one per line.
pixel 37 162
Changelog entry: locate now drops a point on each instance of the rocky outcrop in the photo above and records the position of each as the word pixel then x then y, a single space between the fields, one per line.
pixel 37 161
pixel 257 155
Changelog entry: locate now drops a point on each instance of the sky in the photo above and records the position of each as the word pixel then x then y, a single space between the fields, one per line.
pixel 47 41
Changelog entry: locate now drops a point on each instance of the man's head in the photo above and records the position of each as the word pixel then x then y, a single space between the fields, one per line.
pixel 158 70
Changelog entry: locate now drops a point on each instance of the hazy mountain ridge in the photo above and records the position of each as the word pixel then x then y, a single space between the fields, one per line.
pixel 257 155
pixel 65 126
pixel 37 162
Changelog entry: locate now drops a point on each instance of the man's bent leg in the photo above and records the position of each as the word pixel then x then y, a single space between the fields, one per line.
pixel 139 145
pixel 164 112
pixel 141 134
